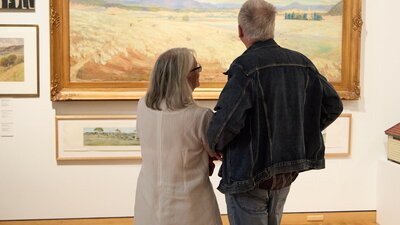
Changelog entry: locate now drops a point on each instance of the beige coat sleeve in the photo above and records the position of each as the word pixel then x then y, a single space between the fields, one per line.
pixel 205 121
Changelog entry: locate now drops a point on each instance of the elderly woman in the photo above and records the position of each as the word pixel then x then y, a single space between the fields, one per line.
pixel 173 185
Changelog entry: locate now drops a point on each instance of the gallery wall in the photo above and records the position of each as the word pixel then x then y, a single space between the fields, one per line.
pixel 33 185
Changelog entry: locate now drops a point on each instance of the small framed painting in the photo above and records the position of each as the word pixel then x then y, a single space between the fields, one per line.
pixel 17 5
pixel 19 60
pixel 94 137
pixel 337 137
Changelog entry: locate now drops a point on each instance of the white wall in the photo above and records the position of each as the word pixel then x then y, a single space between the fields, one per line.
pixel 388 203
pixel 33 185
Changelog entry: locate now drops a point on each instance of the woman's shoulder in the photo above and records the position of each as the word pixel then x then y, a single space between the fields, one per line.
pixel 199 108
pixel 142 108
pixel 142 101
pixel 141 105
pixel 200 111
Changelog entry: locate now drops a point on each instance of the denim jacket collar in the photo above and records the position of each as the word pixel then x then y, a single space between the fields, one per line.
pixel 262 44
pixel 259 44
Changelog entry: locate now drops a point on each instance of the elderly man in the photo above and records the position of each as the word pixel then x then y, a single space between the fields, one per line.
pixel 268 120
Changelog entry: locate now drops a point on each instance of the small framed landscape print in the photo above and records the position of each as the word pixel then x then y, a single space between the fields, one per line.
pixel 91 137
pixel 337 137
pixel 19 60
pixel 17 5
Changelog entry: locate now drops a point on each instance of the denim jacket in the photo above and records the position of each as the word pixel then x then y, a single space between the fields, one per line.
pixel 270 115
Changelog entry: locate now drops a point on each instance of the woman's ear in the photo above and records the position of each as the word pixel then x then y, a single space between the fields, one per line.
pixel 193 80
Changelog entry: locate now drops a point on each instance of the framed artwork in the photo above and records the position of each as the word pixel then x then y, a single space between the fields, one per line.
pixel 105 50
pixel 19 60
pixel 337 137
pixel 17 5
pixel 91 137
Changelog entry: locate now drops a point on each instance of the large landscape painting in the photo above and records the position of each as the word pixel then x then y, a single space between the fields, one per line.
pixel 105 49
pixel 120 40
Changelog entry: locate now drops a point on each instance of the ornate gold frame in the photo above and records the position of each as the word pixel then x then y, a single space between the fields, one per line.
pixel 62 89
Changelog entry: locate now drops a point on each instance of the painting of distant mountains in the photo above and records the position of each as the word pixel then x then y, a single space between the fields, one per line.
pixel 119 40
pixel 17 5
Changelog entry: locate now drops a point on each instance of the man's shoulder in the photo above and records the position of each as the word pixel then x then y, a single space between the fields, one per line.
pixel 293 52
pixel 272 56
pixel 296 56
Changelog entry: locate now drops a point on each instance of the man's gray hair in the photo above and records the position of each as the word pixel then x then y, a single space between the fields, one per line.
pixel 257 19
pixel 168 82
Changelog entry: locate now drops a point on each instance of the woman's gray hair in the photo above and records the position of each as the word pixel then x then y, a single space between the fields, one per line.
pixel 257 19
pixel 168 81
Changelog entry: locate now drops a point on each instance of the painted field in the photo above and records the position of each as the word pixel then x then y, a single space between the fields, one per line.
pixel 122 44
pixel 11 60
pixel 101 136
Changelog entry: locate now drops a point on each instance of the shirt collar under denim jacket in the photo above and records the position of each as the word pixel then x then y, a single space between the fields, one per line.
pixel 270 115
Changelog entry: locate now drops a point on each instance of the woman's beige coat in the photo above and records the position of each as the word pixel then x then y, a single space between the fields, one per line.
pixel 173 186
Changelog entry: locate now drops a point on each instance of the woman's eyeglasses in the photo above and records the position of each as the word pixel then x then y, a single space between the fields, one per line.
pixel 198 68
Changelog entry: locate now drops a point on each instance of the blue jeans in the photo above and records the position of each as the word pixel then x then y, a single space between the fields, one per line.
pixel 256 207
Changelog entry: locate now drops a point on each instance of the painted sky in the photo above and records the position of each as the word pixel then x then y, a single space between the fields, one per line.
pixel 7 42
pixel 280 2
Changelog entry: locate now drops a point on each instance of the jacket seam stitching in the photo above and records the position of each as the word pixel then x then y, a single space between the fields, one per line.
pixel 230 114
pixel 273 65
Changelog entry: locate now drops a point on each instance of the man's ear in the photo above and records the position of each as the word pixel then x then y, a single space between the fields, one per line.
pixel 240 31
